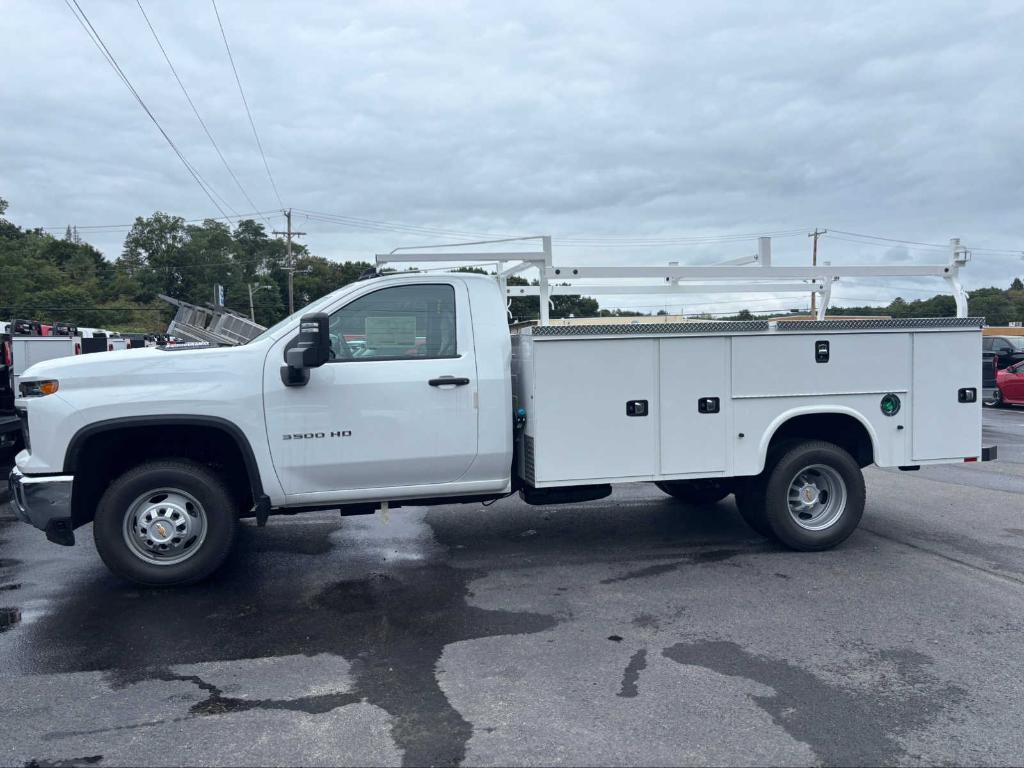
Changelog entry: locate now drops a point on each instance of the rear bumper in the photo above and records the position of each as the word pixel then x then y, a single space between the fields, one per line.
pixel 44 502
pixel 989 452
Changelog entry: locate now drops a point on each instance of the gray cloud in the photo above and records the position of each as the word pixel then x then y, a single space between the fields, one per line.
pixel 566 118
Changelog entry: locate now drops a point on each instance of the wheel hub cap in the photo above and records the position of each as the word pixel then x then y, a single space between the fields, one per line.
pixel 817 497
pixel 165 526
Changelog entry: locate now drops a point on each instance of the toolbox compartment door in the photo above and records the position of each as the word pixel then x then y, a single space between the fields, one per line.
pixel 943 427
pixel 691 369
pixel 583 426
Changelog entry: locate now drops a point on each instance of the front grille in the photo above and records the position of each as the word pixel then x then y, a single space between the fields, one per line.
pixel 23 418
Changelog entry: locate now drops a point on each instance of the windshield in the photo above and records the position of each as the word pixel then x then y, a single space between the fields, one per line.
pixel 314 306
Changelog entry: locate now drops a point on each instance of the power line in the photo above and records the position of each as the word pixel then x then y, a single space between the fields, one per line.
pixel 195 110
pixel 891 239
pixel 241 91
pixel 945 247
pixel 261 214
pixel 90 30
pixel 200 264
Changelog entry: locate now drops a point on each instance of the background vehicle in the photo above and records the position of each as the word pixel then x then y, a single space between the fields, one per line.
pixel 10 427
pixel 989 368
pixel 1010 385
pixel 29 350
pixel 1008 349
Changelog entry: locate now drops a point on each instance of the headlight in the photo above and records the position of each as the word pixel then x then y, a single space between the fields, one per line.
pixel 38 388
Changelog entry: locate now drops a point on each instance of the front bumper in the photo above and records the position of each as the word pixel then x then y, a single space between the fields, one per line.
pixel 44 502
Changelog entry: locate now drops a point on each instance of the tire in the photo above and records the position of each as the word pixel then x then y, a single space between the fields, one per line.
pixel 750 491
pixel 750 503
pixel 813 496
pixel 996 401
pixel 707 491
pixel 191 521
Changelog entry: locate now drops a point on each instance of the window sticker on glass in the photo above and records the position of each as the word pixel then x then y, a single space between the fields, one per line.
pixel 391 332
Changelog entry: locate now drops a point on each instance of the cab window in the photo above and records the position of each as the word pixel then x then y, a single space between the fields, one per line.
pixel 406 322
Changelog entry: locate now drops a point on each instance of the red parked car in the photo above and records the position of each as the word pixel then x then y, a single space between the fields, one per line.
pixel 1010 385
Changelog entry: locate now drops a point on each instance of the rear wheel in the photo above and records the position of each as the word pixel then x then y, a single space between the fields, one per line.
pixel 996 401
pixel 813 496
pixel 703 491
pixel 165 523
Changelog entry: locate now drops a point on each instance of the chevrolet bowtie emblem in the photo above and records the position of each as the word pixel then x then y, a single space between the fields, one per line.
pixel 161 530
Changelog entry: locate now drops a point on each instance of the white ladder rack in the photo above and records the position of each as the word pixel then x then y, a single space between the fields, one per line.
pixel 754 273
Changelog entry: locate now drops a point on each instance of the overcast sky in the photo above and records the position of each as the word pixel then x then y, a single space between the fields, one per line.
pixel 576 119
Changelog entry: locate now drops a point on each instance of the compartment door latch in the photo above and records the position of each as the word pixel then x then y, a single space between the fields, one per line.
pixel 637 408
pixel 821 351
pixel 708 405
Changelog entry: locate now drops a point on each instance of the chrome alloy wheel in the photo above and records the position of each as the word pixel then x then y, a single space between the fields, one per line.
pixel 164 526
pixel 817 497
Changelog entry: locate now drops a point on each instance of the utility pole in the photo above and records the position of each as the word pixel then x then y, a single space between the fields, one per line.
pixel 291 260
pixel 814 262
pixel 252 309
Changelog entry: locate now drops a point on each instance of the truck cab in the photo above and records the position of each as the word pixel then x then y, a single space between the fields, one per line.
pixel 411 402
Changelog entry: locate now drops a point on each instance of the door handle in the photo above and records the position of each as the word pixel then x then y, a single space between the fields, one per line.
pixel 448 381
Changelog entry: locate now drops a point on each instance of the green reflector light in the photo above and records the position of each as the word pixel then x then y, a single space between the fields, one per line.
pixel 890 404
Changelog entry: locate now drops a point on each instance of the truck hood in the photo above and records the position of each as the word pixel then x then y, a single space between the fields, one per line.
pixel 148 362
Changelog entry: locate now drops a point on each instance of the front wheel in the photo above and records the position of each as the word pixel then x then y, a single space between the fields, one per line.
pixel 704 491
pixel 165 523
pixel 814 496
pixel 996 401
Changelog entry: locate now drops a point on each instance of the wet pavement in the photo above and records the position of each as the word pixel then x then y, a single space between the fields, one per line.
pixel 634 630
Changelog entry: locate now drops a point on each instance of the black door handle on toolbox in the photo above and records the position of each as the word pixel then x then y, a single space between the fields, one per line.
pixel 445 381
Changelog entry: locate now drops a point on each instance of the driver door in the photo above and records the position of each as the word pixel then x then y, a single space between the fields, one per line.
pixel 379 415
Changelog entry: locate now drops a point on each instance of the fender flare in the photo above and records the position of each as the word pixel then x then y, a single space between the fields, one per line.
pixel 812 410
pixel 71 455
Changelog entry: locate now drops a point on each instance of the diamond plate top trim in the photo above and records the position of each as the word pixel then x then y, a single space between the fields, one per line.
pixel 866 325
pixel 650 329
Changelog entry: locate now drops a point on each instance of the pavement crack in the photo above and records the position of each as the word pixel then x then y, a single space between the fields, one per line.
pixel 1017 580
pixel 69 762
pixel 631 675
pixel 697 558
pixel 216 703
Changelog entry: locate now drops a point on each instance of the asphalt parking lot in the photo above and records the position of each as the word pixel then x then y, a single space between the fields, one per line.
pixel 635 630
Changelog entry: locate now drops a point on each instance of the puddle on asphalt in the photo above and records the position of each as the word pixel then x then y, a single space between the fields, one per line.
pixel 386 598
pixel 807 707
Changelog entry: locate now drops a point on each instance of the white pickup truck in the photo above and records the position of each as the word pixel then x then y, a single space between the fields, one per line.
pixel 409 389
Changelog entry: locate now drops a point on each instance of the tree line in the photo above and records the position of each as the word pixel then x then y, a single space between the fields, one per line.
pixel 997 305
pixel 62 279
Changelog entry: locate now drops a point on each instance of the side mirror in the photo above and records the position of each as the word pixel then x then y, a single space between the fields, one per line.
pixel 311 350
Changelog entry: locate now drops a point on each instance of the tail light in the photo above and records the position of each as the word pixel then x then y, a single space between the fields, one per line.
pixel 110 347
pixel 78 348
pixel 8 355
pixel 127 343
